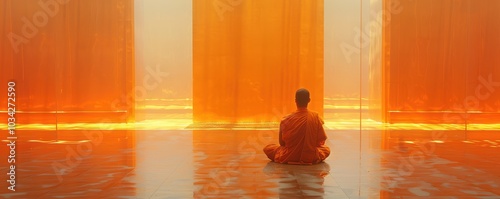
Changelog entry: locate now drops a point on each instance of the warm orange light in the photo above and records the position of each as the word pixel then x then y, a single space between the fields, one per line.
pixel 250 58
pixel 442 56
pixel 76 64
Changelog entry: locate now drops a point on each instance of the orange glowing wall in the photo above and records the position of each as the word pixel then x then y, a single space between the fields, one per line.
pixel 441 61
pixel 72 61
pixel 249 57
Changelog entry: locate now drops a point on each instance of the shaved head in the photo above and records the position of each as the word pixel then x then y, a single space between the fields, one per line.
pixel 302 97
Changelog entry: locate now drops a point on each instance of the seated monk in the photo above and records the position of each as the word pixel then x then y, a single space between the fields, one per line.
pixel 301 136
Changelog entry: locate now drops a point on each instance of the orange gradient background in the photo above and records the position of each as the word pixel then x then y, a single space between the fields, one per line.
pixel 76 64
pixel 149 69
pixel 249 58
pixel 435 55
pixel 77 61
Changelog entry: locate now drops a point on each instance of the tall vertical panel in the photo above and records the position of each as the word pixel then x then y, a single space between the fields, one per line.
pixel 249 57
pixel 441 59
pixel 72 61
pixel 374 28
pixel 164 49
pixel 483 75
pixel 342 61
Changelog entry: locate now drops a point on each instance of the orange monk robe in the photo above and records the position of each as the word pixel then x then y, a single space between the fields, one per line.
pixel 302 139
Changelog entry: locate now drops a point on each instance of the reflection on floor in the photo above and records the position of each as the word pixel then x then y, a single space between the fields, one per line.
pixel 230 164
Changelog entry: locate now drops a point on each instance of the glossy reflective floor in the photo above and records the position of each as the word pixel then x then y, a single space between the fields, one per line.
pixel 230 164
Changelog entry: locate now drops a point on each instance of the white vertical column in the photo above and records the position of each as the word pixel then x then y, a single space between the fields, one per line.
pixel 163 58
pixel 163 42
